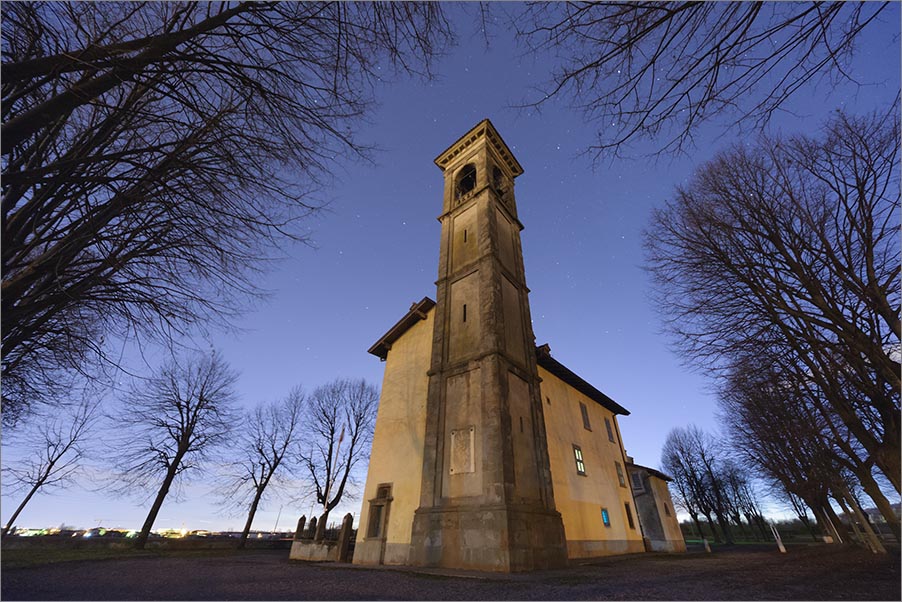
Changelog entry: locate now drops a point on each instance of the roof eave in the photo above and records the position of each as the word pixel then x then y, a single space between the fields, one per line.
pixel 544 359
pixel 418 311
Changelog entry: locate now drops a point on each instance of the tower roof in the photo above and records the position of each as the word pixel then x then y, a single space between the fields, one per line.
pixel 483 129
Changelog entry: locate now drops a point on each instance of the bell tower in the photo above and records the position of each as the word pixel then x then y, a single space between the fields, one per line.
pixel 486 498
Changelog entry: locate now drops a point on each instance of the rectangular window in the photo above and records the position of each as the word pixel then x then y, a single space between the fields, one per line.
pixel 585 412
pixel 607 425
pixel 605 517
pixel 629 515
pixel 636 478
pixel 578 456
pixel 620 474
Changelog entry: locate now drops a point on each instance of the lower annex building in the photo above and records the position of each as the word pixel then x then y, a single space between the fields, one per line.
pixel 488 453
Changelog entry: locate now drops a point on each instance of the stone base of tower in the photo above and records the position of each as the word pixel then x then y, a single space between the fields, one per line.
pixel 488 538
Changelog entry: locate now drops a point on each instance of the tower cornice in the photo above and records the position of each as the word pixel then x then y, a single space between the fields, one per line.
pixel 483 129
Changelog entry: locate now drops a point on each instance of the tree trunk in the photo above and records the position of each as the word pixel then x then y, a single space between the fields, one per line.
pixel 250 518
pixel 698 525
pixel 832 519
pixel 725 528
pixel 141 541
pixel 807 524
pixel 12 519
pixel 883 505
pixel 711 526
pixel 861 524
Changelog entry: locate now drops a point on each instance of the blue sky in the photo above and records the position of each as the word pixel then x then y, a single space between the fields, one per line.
pixel 377 251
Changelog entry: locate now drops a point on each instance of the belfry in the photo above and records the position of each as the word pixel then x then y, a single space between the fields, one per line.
pixel 470 450
pixel 486 500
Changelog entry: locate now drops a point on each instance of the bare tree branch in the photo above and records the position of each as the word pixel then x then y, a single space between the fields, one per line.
pixel 265 441
pixel 338 430
pixel 172 424
pixel 650 69
pixel 157 155
pixel 788 250
pixel 53 450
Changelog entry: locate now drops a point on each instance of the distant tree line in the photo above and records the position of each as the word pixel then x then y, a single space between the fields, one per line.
pixel 183 422
pixel 778 270
pixel 709 484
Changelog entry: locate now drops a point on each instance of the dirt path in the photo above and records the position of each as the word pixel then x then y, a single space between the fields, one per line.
pixel 806 573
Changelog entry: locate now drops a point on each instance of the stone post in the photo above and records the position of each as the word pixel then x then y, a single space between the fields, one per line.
pixel 321 527
pixel 299 532
pixel 344 538
pixel 311 529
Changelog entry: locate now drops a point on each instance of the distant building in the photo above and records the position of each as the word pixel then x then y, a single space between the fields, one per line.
pixel 655 508
pixel 488 453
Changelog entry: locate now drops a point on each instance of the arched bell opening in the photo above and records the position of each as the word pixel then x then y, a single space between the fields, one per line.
pixel 466 180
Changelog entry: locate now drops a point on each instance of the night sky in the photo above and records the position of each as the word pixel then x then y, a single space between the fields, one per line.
pixel 376 251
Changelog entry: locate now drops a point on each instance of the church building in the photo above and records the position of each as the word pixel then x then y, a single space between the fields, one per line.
pixel 488 453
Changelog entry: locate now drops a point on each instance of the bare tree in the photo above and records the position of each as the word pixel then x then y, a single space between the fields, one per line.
pixel 338 430
pixel 644 69
pixel 155 153
pixel 699 461
pixel 172 423
pixel 789 249
pixel 53 451
pixel 265 439
pixel 742 497
pixel 783 426
pixel 678 458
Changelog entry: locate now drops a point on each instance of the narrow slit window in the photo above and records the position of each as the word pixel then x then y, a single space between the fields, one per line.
pixel 585 412
pixel 465 235
pixel 521 424
pixel 629 515
pixel 465 312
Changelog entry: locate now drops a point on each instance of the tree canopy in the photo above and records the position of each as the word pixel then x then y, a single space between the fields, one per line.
pixel 156 153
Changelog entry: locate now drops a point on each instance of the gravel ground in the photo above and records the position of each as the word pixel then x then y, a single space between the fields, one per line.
pixel 743 573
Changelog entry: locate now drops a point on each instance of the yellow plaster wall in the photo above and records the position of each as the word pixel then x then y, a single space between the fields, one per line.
pixel 397 455
pixel 579 498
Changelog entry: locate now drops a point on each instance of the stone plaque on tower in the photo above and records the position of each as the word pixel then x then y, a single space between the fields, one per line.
pixel 486 500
